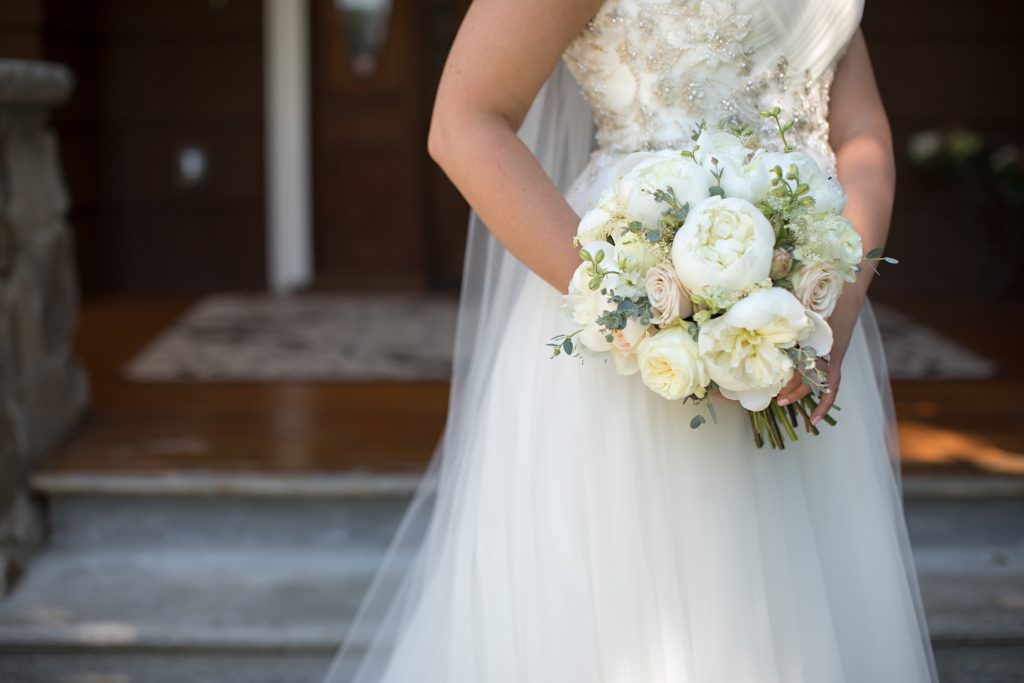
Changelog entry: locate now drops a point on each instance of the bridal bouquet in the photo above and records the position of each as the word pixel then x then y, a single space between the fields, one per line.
pixel 714 268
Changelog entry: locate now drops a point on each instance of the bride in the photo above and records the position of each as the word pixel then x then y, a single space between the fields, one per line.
pixel 572 527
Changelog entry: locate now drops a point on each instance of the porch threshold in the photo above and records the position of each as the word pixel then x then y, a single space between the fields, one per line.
pixel 352 484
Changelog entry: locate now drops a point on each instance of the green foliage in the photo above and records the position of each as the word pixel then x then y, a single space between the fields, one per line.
pixel 626 309
pixel 597 267
pixel 669 222
pixel 782 127
pixel 805 359
pixel 563 343
pixel 876 254
pixel 698 129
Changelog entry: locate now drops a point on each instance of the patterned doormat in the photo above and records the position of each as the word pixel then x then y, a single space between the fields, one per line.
pixel 407 338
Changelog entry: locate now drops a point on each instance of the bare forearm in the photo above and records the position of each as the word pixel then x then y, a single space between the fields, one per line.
pixel 862 139
pixel 505 184
pixel 866 169
pixel 498 63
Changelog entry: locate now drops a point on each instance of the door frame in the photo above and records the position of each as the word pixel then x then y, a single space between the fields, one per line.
pixel 287 144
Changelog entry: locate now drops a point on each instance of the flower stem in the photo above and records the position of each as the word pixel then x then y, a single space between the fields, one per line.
pixel 762 420
pixel 758 441
pixel 775 428
pixel 802 406
pixel 826 417
pixel 782 417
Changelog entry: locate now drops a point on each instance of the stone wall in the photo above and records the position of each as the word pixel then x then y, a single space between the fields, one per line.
pixel 43 389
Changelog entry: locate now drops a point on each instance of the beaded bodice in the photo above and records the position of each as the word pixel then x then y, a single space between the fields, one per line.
pixel 651 69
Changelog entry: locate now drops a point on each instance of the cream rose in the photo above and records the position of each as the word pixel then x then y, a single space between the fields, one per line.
pixel 818 286
pixel 671 365
pixel 726 243
pixel 669 299
pixel 745 349
pixel 624 343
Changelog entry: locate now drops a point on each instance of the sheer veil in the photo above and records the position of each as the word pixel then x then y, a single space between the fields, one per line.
pixel 559 130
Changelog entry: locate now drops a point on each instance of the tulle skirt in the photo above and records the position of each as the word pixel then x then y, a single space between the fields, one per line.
pixel 596 537
pixel 582 532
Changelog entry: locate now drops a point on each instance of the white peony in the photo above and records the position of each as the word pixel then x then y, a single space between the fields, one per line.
pixel 745 349
pixel 818 286
pixel 594 224
pixel 601 220
pixel 669 299
pixel 586 308
pixel 743 174
pixel 585 305
pixel 827 192
pixel 654 171
pixel 726 243
pixel 671 365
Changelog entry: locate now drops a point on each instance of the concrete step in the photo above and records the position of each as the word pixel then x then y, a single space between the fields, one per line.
pixel 969 558
pixel 987 663
pixel 186 581
pixel 90 510
pixel 107 522
pixel 969 554
pixel 164 667
pixel 203 599
pixel 956 665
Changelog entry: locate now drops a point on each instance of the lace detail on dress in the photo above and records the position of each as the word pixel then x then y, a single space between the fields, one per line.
pixel 652 69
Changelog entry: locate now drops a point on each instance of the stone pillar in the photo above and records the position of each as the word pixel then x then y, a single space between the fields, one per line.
pixel 43 389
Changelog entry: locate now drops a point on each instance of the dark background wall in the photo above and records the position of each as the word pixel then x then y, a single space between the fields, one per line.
pixel 948 65
pixel 20 29
pixel 156 77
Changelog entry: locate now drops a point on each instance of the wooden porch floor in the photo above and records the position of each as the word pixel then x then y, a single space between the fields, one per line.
pixel 956 427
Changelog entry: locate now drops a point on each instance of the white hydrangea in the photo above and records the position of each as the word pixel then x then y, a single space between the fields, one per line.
pixel 827 238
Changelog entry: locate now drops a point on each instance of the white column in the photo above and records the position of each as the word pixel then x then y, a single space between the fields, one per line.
pixel 286 77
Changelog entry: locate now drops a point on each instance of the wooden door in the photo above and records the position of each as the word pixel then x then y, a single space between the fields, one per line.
pixel 162 142
pixel 384 215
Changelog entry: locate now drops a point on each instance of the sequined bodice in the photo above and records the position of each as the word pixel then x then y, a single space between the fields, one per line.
pixel 652 68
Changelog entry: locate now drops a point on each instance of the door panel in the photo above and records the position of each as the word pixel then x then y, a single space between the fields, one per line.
pixel 384 215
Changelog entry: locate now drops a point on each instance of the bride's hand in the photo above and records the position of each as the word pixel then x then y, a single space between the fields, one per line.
pixel 798 388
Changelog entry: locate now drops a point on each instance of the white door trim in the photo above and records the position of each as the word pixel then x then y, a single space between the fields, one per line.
pixel 288 154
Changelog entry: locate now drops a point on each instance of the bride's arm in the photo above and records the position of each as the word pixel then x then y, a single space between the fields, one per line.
pixel 860 136
pixel 501 57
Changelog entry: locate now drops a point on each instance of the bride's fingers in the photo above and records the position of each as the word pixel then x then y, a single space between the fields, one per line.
pixel 827 399
pixel 794 391
pixel 786 398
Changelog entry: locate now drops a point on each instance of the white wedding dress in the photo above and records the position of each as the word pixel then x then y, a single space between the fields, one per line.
pixel 572 527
